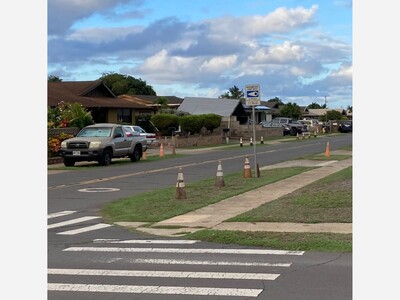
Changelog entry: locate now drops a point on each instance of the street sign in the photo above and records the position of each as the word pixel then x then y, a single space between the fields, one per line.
pixel 252 94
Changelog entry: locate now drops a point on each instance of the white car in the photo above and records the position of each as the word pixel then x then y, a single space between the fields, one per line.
pixel 150 137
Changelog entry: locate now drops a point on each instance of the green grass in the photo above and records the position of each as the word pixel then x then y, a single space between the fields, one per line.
pixel 325 242
pixel 162 204
pixel 328 200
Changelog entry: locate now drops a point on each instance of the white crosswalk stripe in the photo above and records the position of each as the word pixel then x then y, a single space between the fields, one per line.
pixel 73 222
pixel 146 289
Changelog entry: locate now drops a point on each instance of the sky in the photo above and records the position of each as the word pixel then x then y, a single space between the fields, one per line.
pixel 298 51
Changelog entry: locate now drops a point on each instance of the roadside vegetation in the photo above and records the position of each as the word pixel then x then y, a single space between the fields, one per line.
pixel 162 204
pixel 326 200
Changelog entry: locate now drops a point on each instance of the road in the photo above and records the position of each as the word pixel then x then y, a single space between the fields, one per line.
pixel 89 259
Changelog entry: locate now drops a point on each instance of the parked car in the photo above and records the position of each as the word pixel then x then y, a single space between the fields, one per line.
pixel 346 126
pixel 102 142
pixel 150 137
pixel 290 126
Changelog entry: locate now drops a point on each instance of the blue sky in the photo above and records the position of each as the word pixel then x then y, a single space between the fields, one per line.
pixel 299 51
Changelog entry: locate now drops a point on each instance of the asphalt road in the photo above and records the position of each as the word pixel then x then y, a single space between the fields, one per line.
pixel 88 259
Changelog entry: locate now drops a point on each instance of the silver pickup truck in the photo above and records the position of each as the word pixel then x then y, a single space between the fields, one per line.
pixel 101 143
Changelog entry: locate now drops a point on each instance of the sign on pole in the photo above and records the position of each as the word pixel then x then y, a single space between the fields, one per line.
pixel 252 94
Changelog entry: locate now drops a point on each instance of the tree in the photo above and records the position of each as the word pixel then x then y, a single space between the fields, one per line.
pixel 125 84
pixel 291 110
pixel 277 100
pixel 233 93
pixel 53 78
pixel 331 115
pixel 314 105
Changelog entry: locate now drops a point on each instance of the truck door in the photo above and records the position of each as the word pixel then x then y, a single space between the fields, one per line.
pixel 121 141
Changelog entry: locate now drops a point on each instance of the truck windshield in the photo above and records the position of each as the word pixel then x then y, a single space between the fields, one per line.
pixel 94 132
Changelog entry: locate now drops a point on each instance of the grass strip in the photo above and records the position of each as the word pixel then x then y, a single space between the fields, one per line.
pixel 162 204
pixel 325 242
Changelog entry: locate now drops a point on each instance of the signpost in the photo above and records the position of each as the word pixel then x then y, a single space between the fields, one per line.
pixel 252 95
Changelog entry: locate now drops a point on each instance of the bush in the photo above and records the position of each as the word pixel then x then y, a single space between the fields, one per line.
pixel 54 142
pixel 165 123
pixel 191 124
pixel 211 121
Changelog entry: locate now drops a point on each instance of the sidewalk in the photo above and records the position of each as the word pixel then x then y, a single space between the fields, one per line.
pixel 213 216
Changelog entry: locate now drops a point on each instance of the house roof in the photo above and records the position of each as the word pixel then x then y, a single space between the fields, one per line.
pixel 172 100
pixel 199 106
pixel 90 94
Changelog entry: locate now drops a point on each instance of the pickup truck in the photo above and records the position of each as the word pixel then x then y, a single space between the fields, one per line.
pixel 101 143
pixel 290 126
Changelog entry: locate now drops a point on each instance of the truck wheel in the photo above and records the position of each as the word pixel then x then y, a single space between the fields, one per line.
pixel 69 162
pixel 136 155
pixel 105 160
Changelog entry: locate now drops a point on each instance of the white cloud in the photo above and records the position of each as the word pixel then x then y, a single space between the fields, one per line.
pixel 219 64
pixel 278 54
pixel 98 35
pixel 282 20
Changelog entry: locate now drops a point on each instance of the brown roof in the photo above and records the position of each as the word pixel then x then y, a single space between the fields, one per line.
pixel 88 93
pixel 172 100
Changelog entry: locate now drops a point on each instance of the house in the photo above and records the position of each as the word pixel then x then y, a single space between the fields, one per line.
pixel 103 104
pixel 229 109
pixel 318 113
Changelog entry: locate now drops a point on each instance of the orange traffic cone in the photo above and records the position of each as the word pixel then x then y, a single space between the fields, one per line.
pixel 161 150
pixel 247 169
pixel 327 151
pixel 144 156
pixel 180 186
pixel 219 182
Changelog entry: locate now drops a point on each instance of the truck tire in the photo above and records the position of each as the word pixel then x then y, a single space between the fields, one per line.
pixel 105 159
pixel 136 155
pixel 68 162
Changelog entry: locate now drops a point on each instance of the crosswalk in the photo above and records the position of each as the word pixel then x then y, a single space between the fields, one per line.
pixel 74 221
pixel 163 268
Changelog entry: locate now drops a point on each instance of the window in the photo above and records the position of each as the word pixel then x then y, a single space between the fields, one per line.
pixel 124 115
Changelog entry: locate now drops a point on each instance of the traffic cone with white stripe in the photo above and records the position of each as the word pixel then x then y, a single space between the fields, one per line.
pixel 219 181
pixel 251 141
pixel 247 169
pixel 241 142
pixel 180 186
pixel 262 140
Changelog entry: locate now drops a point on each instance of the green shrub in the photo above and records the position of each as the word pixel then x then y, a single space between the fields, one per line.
pixel 191 124
pixel 165 123
pixel 211 121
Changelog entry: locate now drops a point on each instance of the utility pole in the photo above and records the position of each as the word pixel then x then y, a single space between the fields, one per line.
pixel 326 115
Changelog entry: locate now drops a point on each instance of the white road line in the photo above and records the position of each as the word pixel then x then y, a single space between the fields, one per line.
pixel 61 213
pixel 168 274
pixel 85 229
pixel 74 221
pixel 115 241
pixel 206 263
pixel 180 250
pixel 143 289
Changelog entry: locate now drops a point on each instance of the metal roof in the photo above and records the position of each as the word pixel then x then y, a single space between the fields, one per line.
pixel 199 106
